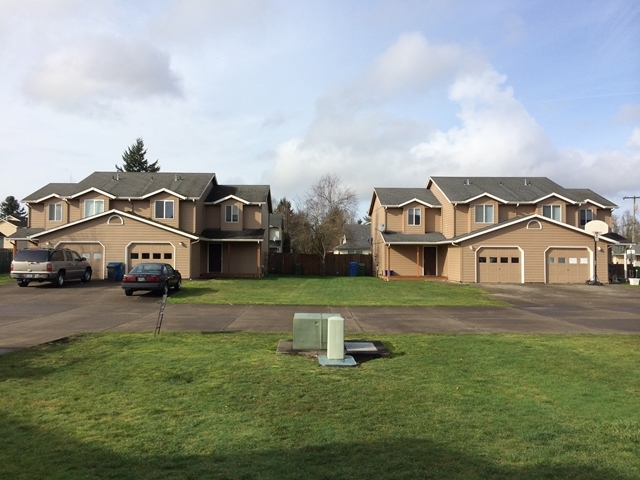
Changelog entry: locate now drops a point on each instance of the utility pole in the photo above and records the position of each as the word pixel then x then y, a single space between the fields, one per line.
pixel 635 211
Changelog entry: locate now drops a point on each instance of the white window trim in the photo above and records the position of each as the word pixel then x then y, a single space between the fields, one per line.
pixel 57 209
pixel 552 207
pixel 484 213
pixel 94 201
pixel 411 216
pixel 164 210
pixel 232 209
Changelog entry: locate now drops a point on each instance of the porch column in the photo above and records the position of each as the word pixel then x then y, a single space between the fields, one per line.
pixel 388 261
pixel 417 260
pixel 258 258
pixel 229 258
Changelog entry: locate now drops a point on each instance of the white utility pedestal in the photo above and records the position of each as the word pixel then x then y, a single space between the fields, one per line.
pixel 335 356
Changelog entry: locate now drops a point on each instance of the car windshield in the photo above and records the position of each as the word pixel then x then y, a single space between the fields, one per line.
pixel 32 256
pixel 147 268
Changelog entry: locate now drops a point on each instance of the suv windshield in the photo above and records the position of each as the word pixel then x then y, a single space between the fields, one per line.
pixel 32 256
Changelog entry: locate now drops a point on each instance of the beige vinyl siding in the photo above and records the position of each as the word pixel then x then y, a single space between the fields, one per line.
pixel 524 210
pixel 212 216
pixel 452 265
pixel 242 257
pixel 447 228
pixel 432 220
pixel 534 243
pixel 117 237
pixel 122 205
pixel 188 216
pixel 468 265
pixel 395 220
pixel 231 226
pixel 462 219
pixel 442 260
pixel 403 260
pixel 413 228
pixel 37 216
pixel 573 218
pixel 506 212
pixel 252 217
pixel 604 215
pixel 74 210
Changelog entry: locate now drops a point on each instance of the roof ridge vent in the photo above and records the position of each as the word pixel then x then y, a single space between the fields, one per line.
pixel 177 178
pixel 527 182
pixel 467 182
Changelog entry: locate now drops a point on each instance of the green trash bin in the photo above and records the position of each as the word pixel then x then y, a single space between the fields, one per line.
pixel 298 269
pixel 361 269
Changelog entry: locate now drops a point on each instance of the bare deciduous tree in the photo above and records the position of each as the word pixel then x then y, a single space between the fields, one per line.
pixel 319 221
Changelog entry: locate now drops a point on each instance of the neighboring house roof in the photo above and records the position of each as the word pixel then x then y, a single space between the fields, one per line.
pixel 411 238
pixel 357 237
pixel 129 185
pixel 618 238
pixel 512 190
pixel 247 235
pixel 275 220
pixel 25 233
pixel 397 197
pixel 17 222
pixel 243 193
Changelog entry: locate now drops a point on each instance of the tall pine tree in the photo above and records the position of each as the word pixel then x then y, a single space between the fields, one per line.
pixel 11 207
pixel 134 159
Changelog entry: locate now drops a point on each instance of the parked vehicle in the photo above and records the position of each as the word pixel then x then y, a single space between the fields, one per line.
pixel 152 276
pixel 56 265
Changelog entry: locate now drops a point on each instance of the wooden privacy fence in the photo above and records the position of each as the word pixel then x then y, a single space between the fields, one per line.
pixel 310 264
pixel 6 255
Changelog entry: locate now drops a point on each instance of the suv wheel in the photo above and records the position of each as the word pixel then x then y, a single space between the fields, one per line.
pixel 59 281
pixel 23 283
pixel 86 276
pixel 178 286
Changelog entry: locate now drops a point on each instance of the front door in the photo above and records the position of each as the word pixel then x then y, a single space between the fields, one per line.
pixel 215 258
pixel 430 261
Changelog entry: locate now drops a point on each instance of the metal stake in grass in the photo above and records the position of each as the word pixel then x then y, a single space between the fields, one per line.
pixel 160 314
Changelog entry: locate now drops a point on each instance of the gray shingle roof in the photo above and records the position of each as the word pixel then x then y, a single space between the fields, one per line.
pixel 24 233
pixel 249 193
pixel 246 234
pixel 130 184
pixel 512 189
pixel 418 238
pixel 275 220
pixel 392 197
pixel 357 237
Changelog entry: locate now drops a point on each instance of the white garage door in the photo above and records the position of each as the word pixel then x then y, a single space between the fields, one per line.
pixel 94 253
pixel 568 265
pixel 150 252
pixel 499 265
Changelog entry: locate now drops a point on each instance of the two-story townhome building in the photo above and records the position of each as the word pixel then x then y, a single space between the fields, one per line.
pixel 187 220
pixel 490 229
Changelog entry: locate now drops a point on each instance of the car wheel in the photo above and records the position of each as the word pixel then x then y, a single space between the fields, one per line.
pixel 165 289
pixel 87 276
pixel 128 292
pixel 178 286
pixel 59 281
pixel 23 283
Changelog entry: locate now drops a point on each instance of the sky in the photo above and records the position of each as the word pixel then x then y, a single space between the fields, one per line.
pixel 380 93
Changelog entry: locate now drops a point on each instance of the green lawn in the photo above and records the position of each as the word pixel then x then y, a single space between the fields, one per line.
pixel 331 291
pixel 195 406
pixel 4 279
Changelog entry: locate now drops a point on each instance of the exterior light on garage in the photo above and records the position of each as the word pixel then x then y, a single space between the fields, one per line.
pixel 182 244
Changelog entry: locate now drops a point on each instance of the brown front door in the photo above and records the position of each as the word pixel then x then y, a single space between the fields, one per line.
pixel 430 261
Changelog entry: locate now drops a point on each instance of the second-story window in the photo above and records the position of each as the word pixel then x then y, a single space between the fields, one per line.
pixel 164 209
pixel 484 213
pixel 585 217
pixel 231 214
pixel 414 216
pixel 552 211
pixel 92 207
pixel 55 212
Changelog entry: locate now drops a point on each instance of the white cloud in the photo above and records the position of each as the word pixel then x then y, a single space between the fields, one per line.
pixel 634 139
pixel 101 68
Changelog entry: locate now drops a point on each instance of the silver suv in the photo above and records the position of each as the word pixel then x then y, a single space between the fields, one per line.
pixel 56 265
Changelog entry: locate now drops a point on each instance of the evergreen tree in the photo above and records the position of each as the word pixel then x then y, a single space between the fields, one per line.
pixel 11 206
pixel 134 159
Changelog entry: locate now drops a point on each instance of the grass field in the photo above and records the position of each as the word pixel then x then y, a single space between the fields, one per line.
pixel 4 279
pixel 226 406
pixel 331 291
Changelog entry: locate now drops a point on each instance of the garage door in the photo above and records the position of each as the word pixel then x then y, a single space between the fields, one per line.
pixel 568 265
pixel 94 254
pixel 499 265
pixel 150 252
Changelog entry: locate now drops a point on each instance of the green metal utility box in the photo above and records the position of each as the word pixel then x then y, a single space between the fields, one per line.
pixel 310 330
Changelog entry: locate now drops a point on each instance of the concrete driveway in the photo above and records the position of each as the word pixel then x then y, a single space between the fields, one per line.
pixel 41 313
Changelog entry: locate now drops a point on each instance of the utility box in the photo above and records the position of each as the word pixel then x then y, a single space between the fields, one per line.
pixel 310 331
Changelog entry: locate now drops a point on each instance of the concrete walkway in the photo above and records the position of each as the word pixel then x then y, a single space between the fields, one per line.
pixel 41 313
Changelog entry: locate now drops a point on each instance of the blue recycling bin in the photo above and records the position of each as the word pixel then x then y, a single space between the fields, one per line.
pixel 114 271
pixel 353 269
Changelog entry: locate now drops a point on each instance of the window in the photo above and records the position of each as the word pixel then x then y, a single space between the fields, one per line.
pixel 145 256
pixel 414 216
pixel 515 259
pixel 134 256
pixel 231 213
pixel 167 256
pixel 482 259
pixel 157 256
pixel 484 213
pixel 164 208
pixel 585 216
pixel 552 211
pixel 552 260
pixel 562 260
pixel 504 259
pixel 93 207
pixel 493 259
pixel 55 212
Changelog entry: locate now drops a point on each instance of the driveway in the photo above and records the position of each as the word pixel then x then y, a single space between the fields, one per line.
pixel 41 313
